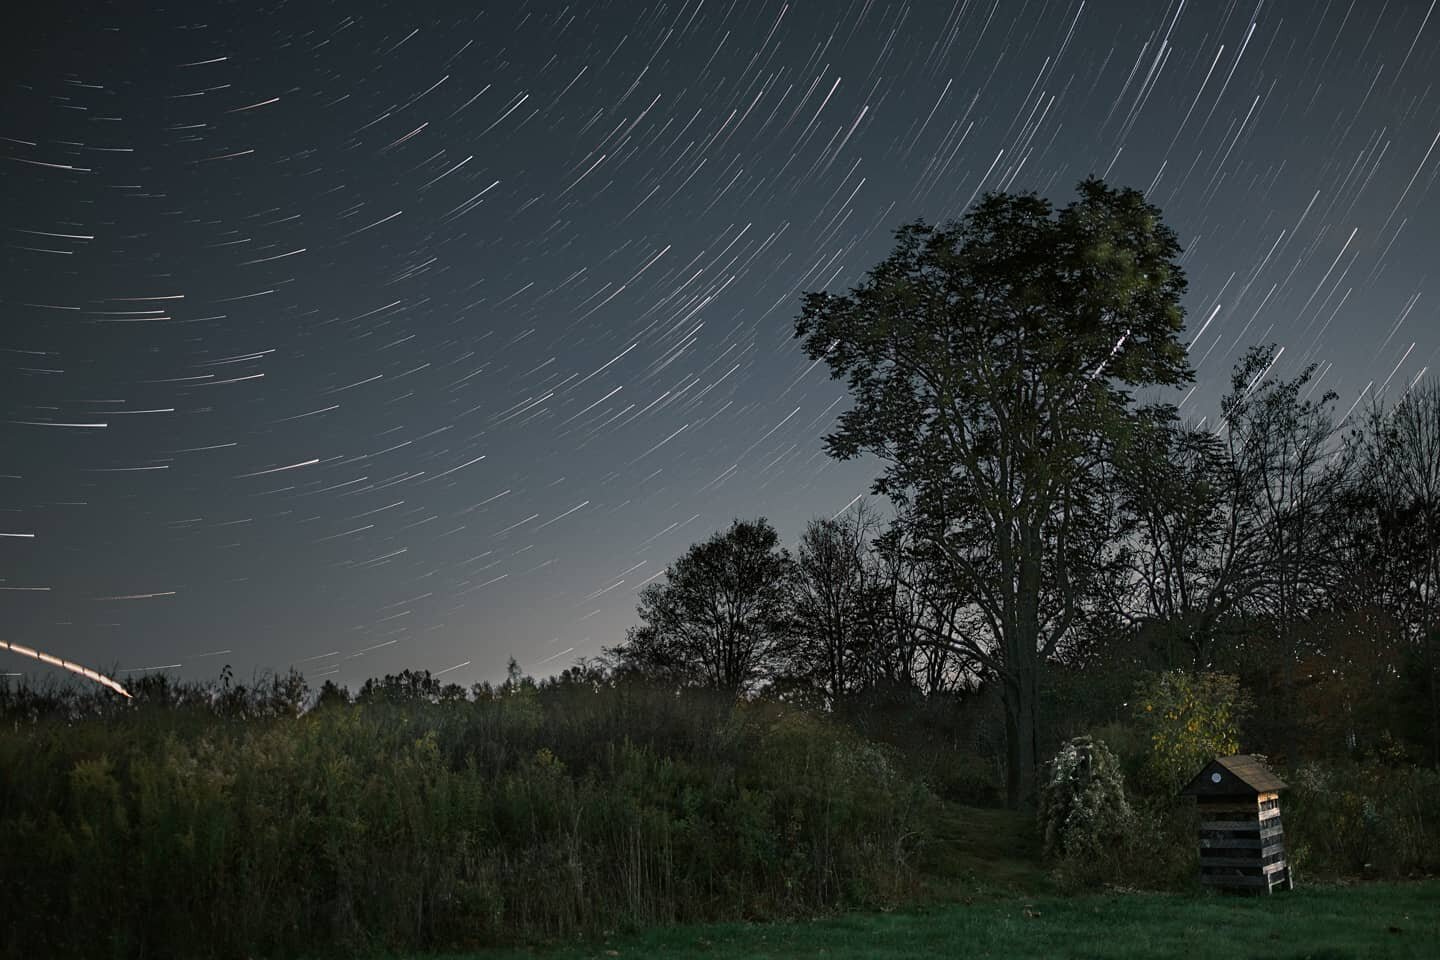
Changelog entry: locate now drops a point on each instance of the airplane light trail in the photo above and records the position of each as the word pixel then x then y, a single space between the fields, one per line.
pixel 75 668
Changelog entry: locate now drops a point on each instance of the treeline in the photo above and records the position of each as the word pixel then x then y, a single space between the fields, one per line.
pixel 1280 547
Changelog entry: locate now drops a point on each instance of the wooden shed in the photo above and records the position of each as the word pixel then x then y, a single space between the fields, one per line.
pixel 1242 841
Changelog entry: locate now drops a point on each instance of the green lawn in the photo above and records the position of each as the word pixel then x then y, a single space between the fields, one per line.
pixel 1400 920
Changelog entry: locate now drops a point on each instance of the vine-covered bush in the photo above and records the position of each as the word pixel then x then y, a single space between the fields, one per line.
pixel 1095 836
pixel 1083 810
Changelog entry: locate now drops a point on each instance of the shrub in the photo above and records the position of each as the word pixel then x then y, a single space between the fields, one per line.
pixel 1095 836
pixel 1083 809
pixel 1189 720
pixel 1363 819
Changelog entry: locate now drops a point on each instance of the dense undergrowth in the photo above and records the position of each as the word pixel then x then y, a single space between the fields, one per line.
pixel 517 814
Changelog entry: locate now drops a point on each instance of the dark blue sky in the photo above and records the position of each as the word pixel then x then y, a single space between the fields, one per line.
pixel 363 336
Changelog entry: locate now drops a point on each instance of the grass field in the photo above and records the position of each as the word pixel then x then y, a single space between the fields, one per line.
pixel 1325 923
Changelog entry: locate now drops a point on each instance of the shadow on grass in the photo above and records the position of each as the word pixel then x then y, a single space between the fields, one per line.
pixel 982 853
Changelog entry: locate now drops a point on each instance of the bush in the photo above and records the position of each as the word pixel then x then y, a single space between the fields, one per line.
pixel 1346 820
pixel 1083 809
pixel 1094 836
pixel 1189 720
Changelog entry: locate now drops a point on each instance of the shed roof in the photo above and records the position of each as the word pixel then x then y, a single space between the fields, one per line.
pixel 1242 773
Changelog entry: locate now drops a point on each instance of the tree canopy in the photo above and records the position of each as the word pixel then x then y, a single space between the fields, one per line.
pixel 721 616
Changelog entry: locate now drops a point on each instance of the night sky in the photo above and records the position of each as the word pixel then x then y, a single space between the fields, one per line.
pixel 362 337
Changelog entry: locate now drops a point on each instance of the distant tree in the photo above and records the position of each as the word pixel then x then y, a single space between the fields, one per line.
pixel 286 693
pixel 1403 460
pixel 836 605
pixel 585 673
pixel 1300 471
pixel 407 686
pixel 1193 552
pixel 990 361
pixel 721 616
pixel 331 695
pixel 918 597
pixel 1351 696
pixel 160 689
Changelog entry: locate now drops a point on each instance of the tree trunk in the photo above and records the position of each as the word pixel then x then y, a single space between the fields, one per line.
pixel 1433 580
pixel 1431 678
pixel 1021 730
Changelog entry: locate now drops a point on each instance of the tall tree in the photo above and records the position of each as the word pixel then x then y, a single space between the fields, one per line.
pixel 721 616
pixel 990 362
pixel 407 686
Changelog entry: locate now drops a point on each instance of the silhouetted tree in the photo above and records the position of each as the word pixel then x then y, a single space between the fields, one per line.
pixel 1189 556
pixel 990 362
pixel 721 616
pixel 1403 458
pixel 407 686
pixel 918 599
pixel 836 605
pixel 1289 442
pixel 332 695
pixel 585 673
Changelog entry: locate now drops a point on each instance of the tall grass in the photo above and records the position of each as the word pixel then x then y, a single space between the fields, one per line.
pixel 182 826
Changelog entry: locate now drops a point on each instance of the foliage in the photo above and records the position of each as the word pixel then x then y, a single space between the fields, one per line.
pixel 1190 559
pixel 1189 720
pixel 1362 819
pixel 836 607
pixel 1095 834
pixel 407 686
pixel 530 812
pixel 1400 454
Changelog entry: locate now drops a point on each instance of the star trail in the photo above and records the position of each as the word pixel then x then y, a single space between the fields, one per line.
pixel 371 336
